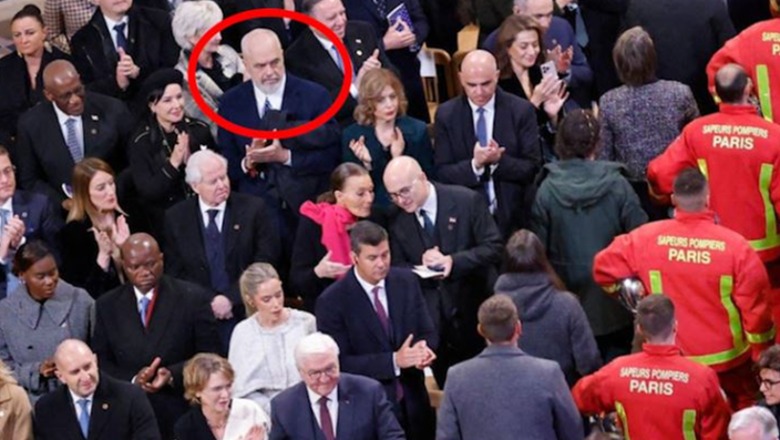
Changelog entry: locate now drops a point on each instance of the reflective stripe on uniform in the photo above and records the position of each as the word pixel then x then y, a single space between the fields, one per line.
pixel 689 424
pixel 764 94
pixel 703 167
pixel 771 239
pixel 656 286
pixel 621 412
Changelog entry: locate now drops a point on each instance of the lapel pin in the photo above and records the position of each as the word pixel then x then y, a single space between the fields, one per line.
pixel 204 147
pixel 105 406
pixel 64 324
pixel 359 52
pixel 24 214
pixel 93 131
pixel 358 41
pixel 236 227
pixel 453 220
pixel 95 118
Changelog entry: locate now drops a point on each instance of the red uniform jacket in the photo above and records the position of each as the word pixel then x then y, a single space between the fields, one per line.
pixel 658 394
pixel 740 154
pixel 757 50
pixel 715 280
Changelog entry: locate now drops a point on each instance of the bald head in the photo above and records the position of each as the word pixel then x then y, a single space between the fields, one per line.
pixel 70 347
pixel 732 84
pixel 76 367
pixel 406 183
pixel 479 76
pixel 62 86
pixel 263 59
pixel 57 72
pixel 142 261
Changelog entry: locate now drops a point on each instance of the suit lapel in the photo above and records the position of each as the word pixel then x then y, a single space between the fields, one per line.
pixel 127 315
pixel 346 412
pixel 446 221
pixel 467 128
pixel 415 241
pixel 90 121
pixel 321 58
pixel 164 308
pixel 231 229
pixel 101 410
pixel 395 310
pixel 61 151
pixel 192 226
pixel 21 209
pixel 71 418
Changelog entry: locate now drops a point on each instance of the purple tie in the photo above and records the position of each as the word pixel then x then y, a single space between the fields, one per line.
pixel 380 310
pixel 325 423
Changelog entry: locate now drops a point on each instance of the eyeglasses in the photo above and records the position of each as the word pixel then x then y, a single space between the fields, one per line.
pixel 404 192
pixel 65 97
pixel 767 382
pixel 328 371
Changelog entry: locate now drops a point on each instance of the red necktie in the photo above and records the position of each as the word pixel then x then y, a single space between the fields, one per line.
pixel 325 423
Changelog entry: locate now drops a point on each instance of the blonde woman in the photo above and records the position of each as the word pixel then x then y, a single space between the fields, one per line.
pixel 15 409
pixel 261 348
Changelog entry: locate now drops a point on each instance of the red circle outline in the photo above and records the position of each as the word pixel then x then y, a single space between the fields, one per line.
pixel 263 134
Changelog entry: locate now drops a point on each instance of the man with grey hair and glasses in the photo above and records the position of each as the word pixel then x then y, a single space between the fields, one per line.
pixel 754 423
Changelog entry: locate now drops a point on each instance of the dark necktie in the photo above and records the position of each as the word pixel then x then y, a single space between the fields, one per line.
pixel 381 313
pixel 326 424
pixel 72 140
pixel 121 40
pixel 211 229
pixel 427 223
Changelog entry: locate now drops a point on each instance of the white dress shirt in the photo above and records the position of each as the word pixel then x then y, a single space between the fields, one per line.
pixel 62 118
pixel 382 295
pixel 111 23
pixel 275 98
pixel 489 115
pixel 76 398
pixel 329 47
pixel 333 406
pixel 430 206
pixel 205 215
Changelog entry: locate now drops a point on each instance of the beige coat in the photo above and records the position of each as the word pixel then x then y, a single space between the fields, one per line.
pixel 15 413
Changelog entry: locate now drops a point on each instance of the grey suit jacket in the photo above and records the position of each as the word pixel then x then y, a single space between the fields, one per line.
pixel 30 332
pixel 505 394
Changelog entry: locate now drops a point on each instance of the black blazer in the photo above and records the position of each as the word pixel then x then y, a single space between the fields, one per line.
pixel 465 230
pixel 151 45
pixel 193 426
pixel 345 312
pixel 16 96
pixel 181 326
pixel 120 411
pixel 79 259
pixel 514 128
pixel 308 59
pixel 42 158
pixel 250 237
pixel 364 413
pixel 158 184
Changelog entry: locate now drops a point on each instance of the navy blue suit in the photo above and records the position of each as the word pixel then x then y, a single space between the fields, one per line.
pixel 41 222
pixel 364 413
pixel 345 312
pixel 561 34
pixel 314 155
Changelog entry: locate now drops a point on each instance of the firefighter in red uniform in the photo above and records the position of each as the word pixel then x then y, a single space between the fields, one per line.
pixel 714 278
pixel 757 49
pixel 739 152
pixel 658 393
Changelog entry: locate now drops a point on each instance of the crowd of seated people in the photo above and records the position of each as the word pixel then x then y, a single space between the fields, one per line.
pixel 588 229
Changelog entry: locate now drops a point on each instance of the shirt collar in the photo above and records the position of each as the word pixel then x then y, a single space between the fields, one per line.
pixel 275 98
pixel 365 284
pixel 203 207
pixel 139 294
pixel 314 398
pixel 430 203
pixel 111 23
pixel 62 117
pixel 76 397
pixel 490 106
pixel 325 42
pixel 8 205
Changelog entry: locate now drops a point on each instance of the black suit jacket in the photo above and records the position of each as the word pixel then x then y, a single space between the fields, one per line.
pixel 250 236
pixel 151 45
pixel 364 413
pixel 181 326
pixel 120 411
pixel 308 59
pixel 345 312
pixel 42 157
pixel 514 128
pixel 314 155
pixel 464 230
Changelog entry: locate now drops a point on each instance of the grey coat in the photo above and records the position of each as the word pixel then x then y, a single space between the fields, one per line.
pixel 505 394
pixel 30 332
